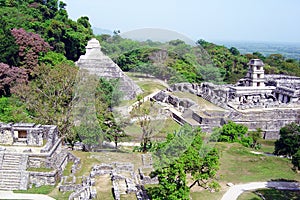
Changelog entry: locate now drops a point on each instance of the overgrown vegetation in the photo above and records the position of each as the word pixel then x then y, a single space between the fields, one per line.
pixel 232 132
pixel 289 143
pixel 180 155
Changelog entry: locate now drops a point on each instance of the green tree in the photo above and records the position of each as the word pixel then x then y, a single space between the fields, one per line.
pixel 181 154
pixel 232 132
pixel 172 183
pixel 289 141
pixel 108 95
pixel 255 135
pixel 234 51
pixel 49 96
pixel 145 115
pixel 13 110
pixel 296 160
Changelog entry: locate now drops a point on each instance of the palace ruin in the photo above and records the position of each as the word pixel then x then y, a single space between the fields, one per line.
pixel 258 101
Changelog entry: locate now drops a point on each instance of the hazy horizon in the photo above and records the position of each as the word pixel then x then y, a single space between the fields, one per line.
pixel 247 20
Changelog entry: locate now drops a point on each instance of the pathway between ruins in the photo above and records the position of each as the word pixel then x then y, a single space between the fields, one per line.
pixel 11 195
pixel 235 191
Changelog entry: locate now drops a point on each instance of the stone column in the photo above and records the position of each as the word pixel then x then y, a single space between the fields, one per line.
pixel 280 98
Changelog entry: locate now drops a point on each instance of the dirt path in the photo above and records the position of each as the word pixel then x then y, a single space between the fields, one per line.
pixel 11 195
pixel 235 191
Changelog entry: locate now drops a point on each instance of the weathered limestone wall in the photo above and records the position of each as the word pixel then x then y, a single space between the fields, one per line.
pixel 44 178
pixel 51 136
pixel 6 137
pixel 35 137
pixel 270 121
pixel 53 159
pixel 36 162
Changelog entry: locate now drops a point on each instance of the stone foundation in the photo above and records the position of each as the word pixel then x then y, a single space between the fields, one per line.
pixel 44 178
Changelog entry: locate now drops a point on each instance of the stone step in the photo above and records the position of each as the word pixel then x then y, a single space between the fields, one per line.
pixel 10 167
pixel 11 163
pixel 12 159
pixel 10 180
pixel 15 187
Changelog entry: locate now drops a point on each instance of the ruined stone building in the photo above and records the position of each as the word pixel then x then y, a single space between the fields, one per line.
pixel 258 101
pixel 27 146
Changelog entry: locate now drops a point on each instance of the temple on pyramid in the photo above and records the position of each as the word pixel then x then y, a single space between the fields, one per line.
pixel 96 63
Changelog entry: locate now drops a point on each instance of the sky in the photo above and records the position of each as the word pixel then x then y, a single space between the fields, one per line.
pixel 212 20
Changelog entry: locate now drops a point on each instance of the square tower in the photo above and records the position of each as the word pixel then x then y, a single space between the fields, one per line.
pixel 256 73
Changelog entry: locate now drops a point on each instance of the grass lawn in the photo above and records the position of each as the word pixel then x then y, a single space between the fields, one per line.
pixel 249 196
pixel 150 86
pixel 45 189
pixel 68 169
pixel 131 196
pixel 206 195
pixel 204 104
pixel 238 165
pixel 87 162
pixel 267 146
pixel 147 84
pixel 162 129
pixel 271 194
pixel 41 169
pixel 104 187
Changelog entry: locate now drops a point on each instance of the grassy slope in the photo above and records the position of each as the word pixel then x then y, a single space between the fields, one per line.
pixel 238 165
pixel 271 194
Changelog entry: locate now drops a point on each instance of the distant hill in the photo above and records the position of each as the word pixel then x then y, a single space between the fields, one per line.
pixel 156 35
pixel 288 50
pixel 100 31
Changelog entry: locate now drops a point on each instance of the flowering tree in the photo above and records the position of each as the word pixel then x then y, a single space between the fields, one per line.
pixel 10 78
pixel 31 45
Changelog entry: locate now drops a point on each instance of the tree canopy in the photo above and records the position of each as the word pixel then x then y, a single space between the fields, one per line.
pixel 183 153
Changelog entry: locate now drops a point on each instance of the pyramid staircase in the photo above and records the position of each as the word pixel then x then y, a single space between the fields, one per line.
pixel 13 175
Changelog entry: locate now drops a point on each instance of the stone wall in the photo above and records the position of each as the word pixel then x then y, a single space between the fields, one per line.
pixel 51 137
pixel 44 178
pixel 270 121
pixel 35 137
pixel 36 162
pixel 6 137
pixel 84 193
pixel 53 159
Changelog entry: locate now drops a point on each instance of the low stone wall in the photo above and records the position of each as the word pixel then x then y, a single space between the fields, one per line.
pixel 147 180
pixel 44 178
pixel 36 162
pixel 52 138
pixel 57 162
pixel 85 193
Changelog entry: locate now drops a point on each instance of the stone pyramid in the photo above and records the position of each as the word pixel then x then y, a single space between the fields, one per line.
pixel 96 63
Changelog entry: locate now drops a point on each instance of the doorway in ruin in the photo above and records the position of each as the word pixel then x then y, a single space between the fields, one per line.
pixel 22 134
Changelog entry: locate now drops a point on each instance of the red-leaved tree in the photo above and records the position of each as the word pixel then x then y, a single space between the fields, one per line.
pixel 11 78
pixel 31 45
